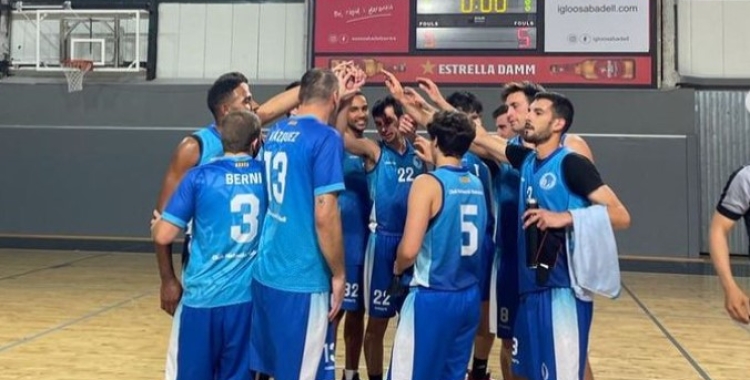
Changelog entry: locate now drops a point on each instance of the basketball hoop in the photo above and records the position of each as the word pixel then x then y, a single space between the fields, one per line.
pixel 74 70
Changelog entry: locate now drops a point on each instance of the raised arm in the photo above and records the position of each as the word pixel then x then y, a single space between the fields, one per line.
pixel 421 116
pixel 278 106
pixel 433 92
pixel 578 144
pixel 489 146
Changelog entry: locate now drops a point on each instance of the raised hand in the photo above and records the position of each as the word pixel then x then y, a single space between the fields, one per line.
pixel 414 97
pixel 394 86
pixel 432 90
pixel 423 150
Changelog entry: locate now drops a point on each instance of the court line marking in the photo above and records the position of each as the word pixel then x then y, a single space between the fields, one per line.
pixel 55 266
pixel 697 367
pixel 72 322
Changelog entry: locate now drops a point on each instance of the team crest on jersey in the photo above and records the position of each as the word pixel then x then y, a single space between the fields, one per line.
pixel 548 181
pixel 417 162
pixel 464 179
pixel 242 164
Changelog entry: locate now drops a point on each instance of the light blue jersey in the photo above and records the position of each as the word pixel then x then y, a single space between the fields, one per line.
pixel 355 206
pixel 545 181
pixel 209 140
pixel 303 159
pixel 390 182
pixel 479 168
pixel 445 262
pixel 226 200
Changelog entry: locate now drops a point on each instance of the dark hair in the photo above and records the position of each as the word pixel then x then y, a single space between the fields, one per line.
pixel 465 101
pixel 454 132
pixel 317 84
pixel 562 107
pixel 345 102
pixel 499 111
pixel 222 89
pixel 292 85
pixel 529 89
pixel 239 130
pixel 378 110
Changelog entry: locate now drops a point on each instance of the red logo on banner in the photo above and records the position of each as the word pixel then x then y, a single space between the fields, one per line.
pixel 345 26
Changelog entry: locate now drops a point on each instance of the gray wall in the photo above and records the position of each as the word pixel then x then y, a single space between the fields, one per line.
pixel 90 164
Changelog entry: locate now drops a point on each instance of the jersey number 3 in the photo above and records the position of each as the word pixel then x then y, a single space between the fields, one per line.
pixel 469 230
pixel 276 167
pixel 249 219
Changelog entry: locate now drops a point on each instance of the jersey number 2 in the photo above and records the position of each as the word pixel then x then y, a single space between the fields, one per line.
pixel 249 219
pixel 276 167
pixel 469 229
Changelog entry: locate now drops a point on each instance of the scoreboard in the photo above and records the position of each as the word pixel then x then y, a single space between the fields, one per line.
pixel 490 42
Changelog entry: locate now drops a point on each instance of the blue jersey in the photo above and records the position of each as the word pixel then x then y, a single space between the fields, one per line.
pixel 545 181
pixel 355 206
pixel 210 142
pixel 505 185
pixel 476 166
pixel 226 199
pixel 303 160
pixel 390 182
pixel 445 262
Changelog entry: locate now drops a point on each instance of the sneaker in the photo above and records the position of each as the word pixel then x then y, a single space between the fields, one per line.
pixel 468 376
pixel 356 376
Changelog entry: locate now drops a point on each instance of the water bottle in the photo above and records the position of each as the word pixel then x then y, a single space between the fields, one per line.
pixel 532 236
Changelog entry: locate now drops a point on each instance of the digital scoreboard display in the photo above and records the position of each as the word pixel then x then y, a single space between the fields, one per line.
pixel 476 25
pixel 490 42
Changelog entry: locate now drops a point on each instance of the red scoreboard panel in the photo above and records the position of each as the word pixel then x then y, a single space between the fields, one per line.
pixel 488 42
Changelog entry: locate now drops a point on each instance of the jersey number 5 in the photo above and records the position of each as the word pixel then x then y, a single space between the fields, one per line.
pixel 249 219
pixel 276 167
pixel 469 231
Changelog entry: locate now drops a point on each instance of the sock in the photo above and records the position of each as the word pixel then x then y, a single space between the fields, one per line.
pixel 479 369
pixel 349 374
pixel 263 377
pixel 375 377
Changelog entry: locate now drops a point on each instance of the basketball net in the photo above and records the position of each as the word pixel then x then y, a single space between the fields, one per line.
pixel 75 70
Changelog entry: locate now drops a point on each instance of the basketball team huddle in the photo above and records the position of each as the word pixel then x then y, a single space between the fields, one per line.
pixel 465 236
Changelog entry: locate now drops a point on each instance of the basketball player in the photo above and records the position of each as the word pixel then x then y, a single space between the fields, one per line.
pixel 355 206
pixel 733 205
pixel 226 200
pixel 516 97
pixel 440 316
pixel 500 115
pixel 229 92
pixel 468 103
pixel 542 349
pixel 299 276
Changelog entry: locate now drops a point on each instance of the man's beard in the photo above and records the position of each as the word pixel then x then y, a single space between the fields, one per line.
pixel 537 138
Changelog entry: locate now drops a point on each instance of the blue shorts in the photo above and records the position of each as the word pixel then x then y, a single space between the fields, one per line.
pixel 210 343
pixel 354 299
pixel 488 256
pixel 291 337
pixel 552 335
pixel 507 294
pixel 435 334
pixel 379 259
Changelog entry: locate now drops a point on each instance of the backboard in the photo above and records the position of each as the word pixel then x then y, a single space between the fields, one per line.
pixel 114 39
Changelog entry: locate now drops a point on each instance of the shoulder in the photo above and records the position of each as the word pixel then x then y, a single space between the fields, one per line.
pixel 740 176
pixel 575 161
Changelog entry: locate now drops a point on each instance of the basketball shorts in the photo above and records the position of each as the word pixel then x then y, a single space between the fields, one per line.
pixel 353 293
pixel 291 337
pixel 435 334
pixel 488 256
pixel 210 343
pixel 507 294
pixel 552 335
pixel 379 259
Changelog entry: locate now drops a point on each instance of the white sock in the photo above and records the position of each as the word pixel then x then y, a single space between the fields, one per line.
pixel 349 374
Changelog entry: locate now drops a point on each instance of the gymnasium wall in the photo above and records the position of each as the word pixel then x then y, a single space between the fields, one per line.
pixel 87 166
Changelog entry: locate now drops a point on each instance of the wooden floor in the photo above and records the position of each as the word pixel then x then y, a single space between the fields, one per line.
pixel 89 315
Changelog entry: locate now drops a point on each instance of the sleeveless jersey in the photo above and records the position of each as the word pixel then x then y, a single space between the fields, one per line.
pixel 506 184
pixel 210 143
pixel 445 262
pixel 476 166
pixel 389 183
pixel 545 181
pixel 355 205
pixel 226 200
